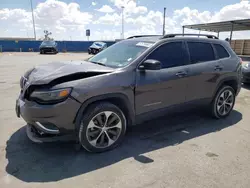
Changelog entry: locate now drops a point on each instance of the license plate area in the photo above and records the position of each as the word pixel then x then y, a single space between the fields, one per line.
pixel 17 108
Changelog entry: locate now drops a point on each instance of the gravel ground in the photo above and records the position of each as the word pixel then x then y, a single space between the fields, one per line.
pixel 186 150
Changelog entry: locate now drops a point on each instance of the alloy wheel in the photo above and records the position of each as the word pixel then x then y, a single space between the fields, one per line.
pixel 104 129
pixel 225 102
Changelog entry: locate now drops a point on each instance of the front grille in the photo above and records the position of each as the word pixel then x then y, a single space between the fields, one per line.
pixel 48 49
pixel 40 133
pixel 246 74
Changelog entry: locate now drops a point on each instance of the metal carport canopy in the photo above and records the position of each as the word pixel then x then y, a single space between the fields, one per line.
pixel 234 25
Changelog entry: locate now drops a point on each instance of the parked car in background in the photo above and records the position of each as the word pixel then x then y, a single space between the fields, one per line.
pixel 48 46
pixel 130 82
pixel 246 73
pixel 96 47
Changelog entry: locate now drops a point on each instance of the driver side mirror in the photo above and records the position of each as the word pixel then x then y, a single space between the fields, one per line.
pixel 150 64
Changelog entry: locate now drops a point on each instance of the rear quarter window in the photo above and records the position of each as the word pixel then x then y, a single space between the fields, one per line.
pixel 221 51
pixel 200 52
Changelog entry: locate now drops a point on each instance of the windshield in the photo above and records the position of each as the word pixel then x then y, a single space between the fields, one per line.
pixel 98 44
pixel 48 43
pixel 120 54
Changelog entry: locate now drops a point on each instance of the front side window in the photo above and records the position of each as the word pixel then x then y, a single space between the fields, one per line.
pixel 48 43
pixel 170 54
pixel 121 54
pixel 221 52
pixel 200 52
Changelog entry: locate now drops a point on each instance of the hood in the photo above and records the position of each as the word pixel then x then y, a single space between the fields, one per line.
pixel 59 72
pixel 47 45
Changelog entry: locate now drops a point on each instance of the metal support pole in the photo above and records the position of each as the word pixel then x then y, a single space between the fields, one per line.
pixel 183 30
pixel 34 27
pixel 123 22
pixel 218 34
pixel 231 33
pixel 163 27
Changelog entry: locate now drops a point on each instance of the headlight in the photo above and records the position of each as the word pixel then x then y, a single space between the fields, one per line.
pixel 25 77
pixel 50 96
pixel 246 65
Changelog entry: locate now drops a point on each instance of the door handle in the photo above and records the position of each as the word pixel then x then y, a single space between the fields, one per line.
pixel 218 67
pixel 181 74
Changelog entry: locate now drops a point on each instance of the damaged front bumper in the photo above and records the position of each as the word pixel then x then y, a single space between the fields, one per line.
pixel 47 123
pixel 94 50
pixel 38 136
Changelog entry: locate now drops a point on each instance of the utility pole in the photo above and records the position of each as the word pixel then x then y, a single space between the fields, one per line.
pixel 122 22
pixel 163 27
pixel 33 19
pixel 122 7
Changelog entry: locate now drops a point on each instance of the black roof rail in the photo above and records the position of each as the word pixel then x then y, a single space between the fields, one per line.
pixel 188 34
pixel 137 36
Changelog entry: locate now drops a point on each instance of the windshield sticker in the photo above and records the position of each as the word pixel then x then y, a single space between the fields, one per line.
pixel 144 44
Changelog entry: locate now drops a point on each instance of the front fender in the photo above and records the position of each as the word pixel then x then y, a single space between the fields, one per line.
pixel 106 97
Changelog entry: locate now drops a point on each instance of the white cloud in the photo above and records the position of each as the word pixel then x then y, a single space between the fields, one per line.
pixel 54 12
pixel 106 9
pixel 111 34
pixel 55 16
pixel 67 19
pixel 187 16
pixel 130 6
pixel 109 19
pixel 236 11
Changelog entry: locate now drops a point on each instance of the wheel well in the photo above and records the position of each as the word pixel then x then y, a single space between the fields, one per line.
pixel 232 83
pixel 122 105
pixel 119 102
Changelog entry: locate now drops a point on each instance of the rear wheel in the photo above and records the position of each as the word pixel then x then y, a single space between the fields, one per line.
pixel 223 102
pixel 102 128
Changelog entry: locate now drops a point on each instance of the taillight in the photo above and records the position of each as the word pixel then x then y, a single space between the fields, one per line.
pixel 241 62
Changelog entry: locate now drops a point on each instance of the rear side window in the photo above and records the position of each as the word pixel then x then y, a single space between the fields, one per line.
pixel 221 51
pixel 170 55
pixel 200 52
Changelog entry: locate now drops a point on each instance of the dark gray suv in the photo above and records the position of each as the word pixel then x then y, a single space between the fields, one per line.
pixel 132 81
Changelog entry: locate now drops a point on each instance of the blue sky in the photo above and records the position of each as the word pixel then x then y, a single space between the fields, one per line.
pixel 68 19
pixel 210 5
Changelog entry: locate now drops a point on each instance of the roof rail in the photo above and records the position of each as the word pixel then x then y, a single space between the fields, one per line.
pixel 137 36
pixel 204 35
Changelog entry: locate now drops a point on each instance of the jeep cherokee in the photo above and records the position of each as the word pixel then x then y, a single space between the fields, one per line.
pixel 132 81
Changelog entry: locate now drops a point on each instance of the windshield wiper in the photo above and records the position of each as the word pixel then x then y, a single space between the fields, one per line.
pixel 98 63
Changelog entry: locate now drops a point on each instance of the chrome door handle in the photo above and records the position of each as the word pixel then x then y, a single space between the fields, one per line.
pixel 218 67
pixel 181 74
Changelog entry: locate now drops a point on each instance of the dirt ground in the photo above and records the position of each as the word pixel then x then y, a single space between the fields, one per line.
pixel 186 150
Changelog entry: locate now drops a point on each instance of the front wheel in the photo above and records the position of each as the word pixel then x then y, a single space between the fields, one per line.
pixel 102 128
pixel 223 102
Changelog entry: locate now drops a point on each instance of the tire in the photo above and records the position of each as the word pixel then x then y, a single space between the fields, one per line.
pixel 218 109
pixel 41 52
pixel 94 136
